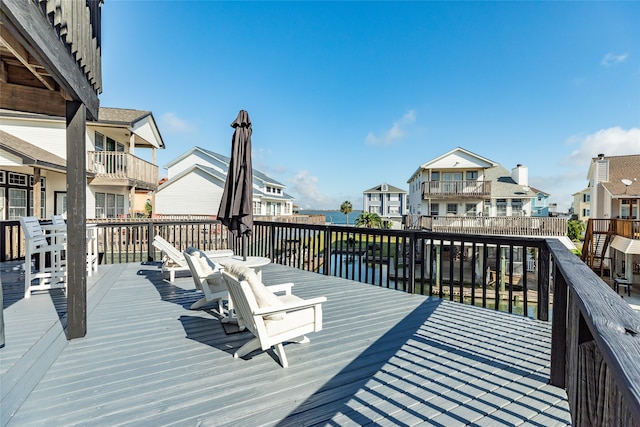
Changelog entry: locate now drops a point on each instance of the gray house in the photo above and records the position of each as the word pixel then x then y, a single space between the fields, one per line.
pixel 387 201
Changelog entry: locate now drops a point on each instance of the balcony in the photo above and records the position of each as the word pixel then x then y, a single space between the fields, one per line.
pixel 123 169
pixel 455 189
pixel 496 226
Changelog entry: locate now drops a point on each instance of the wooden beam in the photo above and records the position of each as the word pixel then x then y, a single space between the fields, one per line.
pixel 76 221
pixel 26 22
pixel 23 56
pixel 31 99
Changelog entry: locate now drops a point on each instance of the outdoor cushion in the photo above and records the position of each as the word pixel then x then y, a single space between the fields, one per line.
pixel 264 297
pixel 207 267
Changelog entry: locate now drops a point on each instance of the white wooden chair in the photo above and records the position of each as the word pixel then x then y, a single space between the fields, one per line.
pixel 207 278
pixel 51 245
pixel 272 319
pixel 174 261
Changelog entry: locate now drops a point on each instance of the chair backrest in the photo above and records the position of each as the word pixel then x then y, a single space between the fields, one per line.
pixel 244 304
pixel 169 250
pixel 34 236
pixel 200 265
pixel 58 220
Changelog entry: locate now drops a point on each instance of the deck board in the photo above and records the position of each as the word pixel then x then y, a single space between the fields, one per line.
pixel 384 357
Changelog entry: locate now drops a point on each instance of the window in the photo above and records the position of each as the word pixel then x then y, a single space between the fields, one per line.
pixel 17 179
pixel 435 176
pixel 394 197
pixel 487 208
pixel 17 203
pixel 624 209
pixel 435 209
pixel 516 207
pixel 99 142
pixel 1 177
pixel 452 209
pixel 472 175
pixel 394 209
pixel 586 212
pixel 586 198
pixel 109 205
pixel 374 197
pixel 256 208
pixel 501 207
pixel 470 209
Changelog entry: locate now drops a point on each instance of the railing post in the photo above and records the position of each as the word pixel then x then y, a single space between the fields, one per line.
pixel 543 282
pixel 272 241
pixel 151 253
pixel 412 263
pixel 557 374
pixel 327 251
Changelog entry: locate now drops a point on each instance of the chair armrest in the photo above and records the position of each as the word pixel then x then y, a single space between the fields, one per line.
pixel 305 303
pixel 282 287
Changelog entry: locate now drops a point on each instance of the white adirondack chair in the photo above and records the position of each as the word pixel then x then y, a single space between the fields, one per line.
pixel 272 319
pixel 174 261
pixel 49 245
pixel 207 278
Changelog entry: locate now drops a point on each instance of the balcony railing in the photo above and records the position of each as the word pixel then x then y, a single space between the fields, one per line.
pixel 498 226
pixel 118 168
pixel 455 189
pixel 595 333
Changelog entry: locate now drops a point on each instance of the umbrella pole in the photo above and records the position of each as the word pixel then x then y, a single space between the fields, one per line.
pixel 244 247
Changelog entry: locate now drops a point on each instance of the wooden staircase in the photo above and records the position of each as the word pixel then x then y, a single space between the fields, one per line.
pixel 597 239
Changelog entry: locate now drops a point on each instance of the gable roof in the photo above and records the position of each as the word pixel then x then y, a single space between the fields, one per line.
pixel 30 154
pixel 140 122
pixel 459 152
pixel 390 189
pixel 222 176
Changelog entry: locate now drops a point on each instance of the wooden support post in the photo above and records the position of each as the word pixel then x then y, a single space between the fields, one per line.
pixel 559 331
pixel 37 193
pixel 76 221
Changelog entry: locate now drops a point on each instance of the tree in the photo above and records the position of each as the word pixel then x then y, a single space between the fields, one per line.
pixel 369 220
pixel 575 230
pixel 346 208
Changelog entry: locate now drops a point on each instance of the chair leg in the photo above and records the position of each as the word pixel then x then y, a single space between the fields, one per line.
pixel 196 305
pixel 248 347
pixel 283 357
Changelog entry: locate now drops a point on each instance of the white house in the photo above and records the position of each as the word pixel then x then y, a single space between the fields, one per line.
pixel 196 181
pixel 33 161
pixel 461 183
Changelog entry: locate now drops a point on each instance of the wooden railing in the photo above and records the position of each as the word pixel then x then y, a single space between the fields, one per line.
pixel 595 333
pixel 595 345
pixel 113 167
pixel 469 188
pixel 500 226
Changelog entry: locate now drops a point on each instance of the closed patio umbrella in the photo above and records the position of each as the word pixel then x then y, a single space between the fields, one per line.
pixel 236 207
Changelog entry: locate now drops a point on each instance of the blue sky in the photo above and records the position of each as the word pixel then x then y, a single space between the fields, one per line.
pixel 344 96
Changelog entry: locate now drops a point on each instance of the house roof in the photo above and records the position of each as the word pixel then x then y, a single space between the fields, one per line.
pixel 221 176
pixel 504 186
pixel 390 189
pixel 623 167
pixel 121 115
pixel 141 123
pixel 31 154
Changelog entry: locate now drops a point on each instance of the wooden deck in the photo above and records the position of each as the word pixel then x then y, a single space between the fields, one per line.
pixel 383 358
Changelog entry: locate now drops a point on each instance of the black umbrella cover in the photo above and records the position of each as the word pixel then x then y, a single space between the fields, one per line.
pixel 236 207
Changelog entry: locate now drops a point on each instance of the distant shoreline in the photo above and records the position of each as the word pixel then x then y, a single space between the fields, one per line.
pixel 332 216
